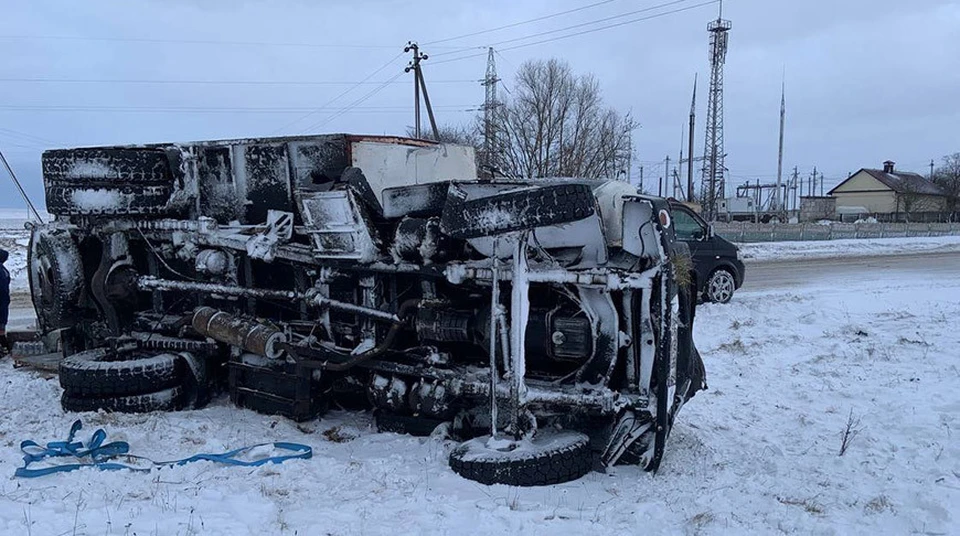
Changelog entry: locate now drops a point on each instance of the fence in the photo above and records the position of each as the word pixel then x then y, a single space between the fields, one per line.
pixel 777 232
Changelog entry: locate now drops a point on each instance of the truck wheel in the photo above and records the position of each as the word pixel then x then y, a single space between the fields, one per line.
pixel 54 269
pixel 518 211
pixel 93 181
pixel 165 400
pixel 549 458
pixel 102 372
pixel 720 286
pixel 127 199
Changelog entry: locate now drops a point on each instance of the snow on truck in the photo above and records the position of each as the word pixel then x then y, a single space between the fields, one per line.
pixel 546 323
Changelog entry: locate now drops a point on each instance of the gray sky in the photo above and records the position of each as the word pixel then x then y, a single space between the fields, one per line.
pixel 867 80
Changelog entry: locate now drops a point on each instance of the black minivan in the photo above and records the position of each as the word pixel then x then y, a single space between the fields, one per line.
pixel 716 260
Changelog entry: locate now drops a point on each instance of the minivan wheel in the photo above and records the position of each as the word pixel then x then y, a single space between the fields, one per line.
pixel 720 286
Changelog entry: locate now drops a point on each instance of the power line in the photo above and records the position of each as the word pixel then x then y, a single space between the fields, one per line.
pixel 341 95
pixel 354 104
pixel 521 23
pixel 624 23
pixel 584 32
pixel 28 137
pixel 196 41
pixel 592 22
pixel 204 109
pixel 208 82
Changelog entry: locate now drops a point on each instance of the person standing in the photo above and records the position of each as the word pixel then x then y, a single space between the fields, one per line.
pixel 4 302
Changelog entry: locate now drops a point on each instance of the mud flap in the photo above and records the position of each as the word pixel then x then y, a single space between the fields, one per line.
pixel 626 432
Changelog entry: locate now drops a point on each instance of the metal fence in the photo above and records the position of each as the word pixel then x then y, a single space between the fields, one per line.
pixel 778 232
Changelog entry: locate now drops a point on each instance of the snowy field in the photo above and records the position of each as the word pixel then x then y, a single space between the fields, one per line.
pixel 758 453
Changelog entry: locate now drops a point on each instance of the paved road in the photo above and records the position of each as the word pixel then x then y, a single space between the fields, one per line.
pixel 769 275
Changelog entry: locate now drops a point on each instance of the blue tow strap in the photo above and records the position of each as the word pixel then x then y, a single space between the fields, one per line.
pixel 103 456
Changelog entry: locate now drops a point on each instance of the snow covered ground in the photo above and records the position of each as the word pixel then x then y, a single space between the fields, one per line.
pixel 854 247
pixel 757 453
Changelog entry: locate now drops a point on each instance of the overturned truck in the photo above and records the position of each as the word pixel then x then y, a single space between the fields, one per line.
pixel 547 323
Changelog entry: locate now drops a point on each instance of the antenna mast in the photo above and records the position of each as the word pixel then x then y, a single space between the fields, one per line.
pixel 778 200
pixel 693 125
pixel 490 105
pixel 712 187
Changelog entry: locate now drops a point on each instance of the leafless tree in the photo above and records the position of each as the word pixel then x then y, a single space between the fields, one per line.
pixel 911 203
pixel 947 177
pixel 455 134
pixel 555 124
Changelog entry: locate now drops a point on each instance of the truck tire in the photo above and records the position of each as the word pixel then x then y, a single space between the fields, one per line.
pixel 518 211
pixel 108 181
pixel 104 373
pixel 549 458
pixel 121 199
pixel 54 270
pixel 165 400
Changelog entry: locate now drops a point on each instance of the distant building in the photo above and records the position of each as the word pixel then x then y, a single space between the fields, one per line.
pixel 888 194
pixel 816 208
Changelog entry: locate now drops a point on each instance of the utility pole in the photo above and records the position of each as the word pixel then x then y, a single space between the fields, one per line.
pixel 812 191
pixel 420 85
pixel 666 175
pixel 23 194
pixel 683 135
pixel 713 180
pixel 783 112
pixel 691 127
pixel 490 105
pixel 796 173
pixel 931 169
pixel 640 189
pixel 821 184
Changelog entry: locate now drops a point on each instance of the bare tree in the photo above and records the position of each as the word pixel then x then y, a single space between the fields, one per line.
pixel 915 198
pixel 947 177
pixel 555 124
pixel 455 134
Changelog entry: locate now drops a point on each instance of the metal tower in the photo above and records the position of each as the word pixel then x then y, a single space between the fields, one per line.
pixel 488 160
pixel 778 200
pixel 713 169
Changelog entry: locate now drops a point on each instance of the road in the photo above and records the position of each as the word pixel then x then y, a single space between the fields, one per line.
pixel 769 275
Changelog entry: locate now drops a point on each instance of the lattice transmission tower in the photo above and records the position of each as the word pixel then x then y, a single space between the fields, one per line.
pixel 712 184
pixel 491 147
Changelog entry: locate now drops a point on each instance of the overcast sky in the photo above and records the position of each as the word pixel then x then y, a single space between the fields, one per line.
pixel 866 80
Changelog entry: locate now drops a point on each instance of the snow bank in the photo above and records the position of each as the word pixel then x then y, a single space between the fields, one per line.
pixel 16 243
pixel 757 453
pixel 859 247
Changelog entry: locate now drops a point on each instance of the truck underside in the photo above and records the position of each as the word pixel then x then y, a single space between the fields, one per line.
pixel 347 271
